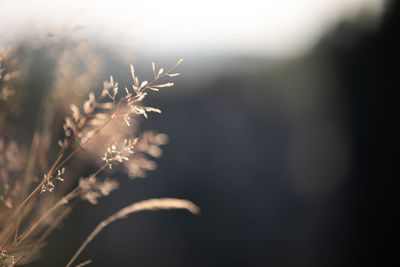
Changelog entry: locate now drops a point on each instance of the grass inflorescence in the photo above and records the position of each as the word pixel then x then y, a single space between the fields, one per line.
pixel 36 181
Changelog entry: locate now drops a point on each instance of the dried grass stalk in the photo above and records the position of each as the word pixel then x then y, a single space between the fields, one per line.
pixel 30 207
pixel 84 263
pixel 150 204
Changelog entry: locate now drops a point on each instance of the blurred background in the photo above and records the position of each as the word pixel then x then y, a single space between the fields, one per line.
pixel 281 126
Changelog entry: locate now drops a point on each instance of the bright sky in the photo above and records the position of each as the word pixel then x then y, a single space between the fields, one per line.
pixel 251 27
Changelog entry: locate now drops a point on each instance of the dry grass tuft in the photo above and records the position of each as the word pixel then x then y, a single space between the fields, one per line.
pixel 102 131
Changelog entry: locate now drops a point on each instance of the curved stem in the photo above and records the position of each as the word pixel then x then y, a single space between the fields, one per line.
pixel 150 204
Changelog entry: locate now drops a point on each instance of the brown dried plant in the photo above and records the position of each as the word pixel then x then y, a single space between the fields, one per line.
pixel 9 74
pixel 103 129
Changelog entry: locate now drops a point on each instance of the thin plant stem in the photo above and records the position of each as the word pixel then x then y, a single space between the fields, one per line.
pixel 60 203
pixel 45 234
pixel 34 191
pixel 150 204
pixel 87 262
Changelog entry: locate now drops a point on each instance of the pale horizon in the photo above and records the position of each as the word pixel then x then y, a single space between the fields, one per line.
pixel 262 28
